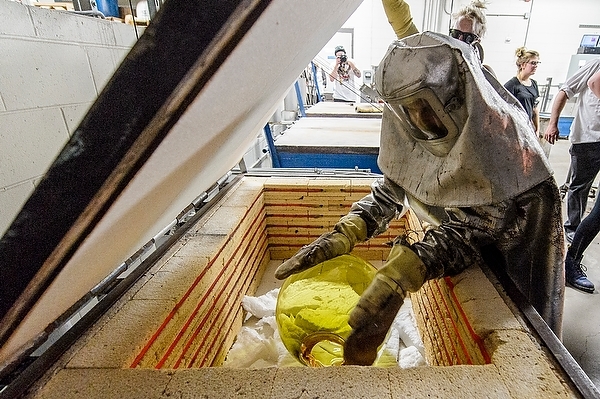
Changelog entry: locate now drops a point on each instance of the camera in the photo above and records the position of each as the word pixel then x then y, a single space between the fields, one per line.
pixel 343 58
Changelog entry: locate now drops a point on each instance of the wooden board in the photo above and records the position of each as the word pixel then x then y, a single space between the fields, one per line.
pixel 342 110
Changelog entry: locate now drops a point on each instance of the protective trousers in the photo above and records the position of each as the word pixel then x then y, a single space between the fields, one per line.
pixel 525 231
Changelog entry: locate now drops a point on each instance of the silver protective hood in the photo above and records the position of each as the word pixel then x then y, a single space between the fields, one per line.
pixel 451 135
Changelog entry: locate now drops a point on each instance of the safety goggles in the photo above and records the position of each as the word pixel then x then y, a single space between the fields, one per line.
pixel 467 37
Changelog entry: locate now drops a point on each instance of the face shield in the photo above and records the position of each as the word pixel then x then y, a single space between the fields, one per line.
pixel 427 120
pixel 449 128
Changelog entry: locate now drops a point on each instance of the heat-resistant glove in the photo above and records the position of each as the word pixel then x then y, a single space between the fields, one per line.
pixel 346 233
pixel 378 305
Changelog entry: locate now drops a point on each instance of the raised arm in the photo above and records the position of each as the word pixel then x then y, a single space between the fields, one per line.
pixel 354 69
pixel 551 133
pixel 334 73
pixel 398 13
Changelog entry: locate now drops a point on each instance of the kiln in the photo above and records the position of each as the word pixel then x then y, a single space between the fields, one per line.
pixel 154 153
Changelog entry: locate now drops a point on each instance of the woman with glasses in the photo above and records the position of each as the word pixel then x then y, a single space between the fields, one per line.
pixel 523 87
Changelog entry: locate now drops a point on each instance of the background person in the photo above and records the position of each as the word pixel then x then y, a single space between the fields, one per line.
pixel 469 23
pixel 587 230
pixel 523 87
pixel 585 141
pixel 342 76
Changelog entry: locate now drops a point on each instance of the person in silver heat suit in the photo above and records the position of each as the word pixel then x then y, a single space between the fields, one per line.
pixel 459 150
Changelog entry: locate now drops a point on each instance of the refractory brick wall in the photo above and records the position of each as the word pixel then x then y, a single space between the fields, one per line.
pixel 53 66
pixel 226 255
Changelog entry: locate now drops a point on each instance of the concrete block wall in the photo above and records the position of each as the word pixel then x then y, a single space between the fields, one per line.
pixel 53 66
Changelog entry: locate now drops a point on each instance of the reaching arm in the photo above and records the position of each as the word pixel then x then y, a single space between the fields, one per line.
pixel 368 217
pixel 551 133
pixel 398 13
pixel 535 118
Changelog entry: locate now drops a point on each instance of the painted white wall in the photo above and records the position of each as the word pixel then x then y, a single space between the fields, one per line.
pixel 53 64
pixel 552 28
pixel 553 31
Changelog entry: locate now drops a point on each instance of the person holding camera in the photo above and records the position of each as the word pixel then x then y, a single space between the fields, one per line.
pixel 342 76
pixel 523 87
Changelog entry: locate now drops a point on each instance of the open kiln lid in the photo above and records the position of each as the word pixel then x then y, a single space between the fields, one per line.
pixel 179 113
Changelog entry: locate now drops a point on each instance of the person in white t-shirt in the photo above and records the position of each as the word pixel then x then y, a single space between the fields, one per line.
pixel 584 167
pixel 342 76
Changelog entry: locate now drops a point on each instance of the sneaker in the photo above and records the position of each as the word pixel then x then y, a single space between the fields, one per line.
pixel 575 276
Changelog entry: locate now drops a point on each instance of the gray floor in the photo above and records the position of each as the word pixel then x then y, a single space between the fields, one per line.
pixel 581 325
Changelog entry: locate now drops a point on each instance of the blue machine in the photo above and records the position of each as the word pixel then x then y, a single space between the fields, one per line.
pixel 328 158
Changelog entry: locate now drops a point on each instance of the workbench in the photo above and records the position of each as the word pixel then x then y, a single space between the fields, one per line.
pixel 330 142
pixel 343 110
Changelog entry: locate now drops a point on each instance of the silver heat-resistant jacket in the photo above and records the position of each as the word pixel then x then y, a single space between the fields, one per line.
pixel 458 149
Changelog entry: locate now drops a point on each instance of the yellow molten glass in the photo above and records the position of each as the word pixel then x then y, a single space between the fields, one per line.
pixel 313 308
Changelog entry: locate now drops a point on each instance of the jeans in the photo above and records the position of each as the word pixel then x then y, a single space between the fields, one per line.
pixel 585 164
pixel 585 233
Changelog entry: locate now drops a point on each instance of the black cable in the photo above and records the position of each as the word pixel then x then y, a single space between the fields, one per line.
pixel 134 23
